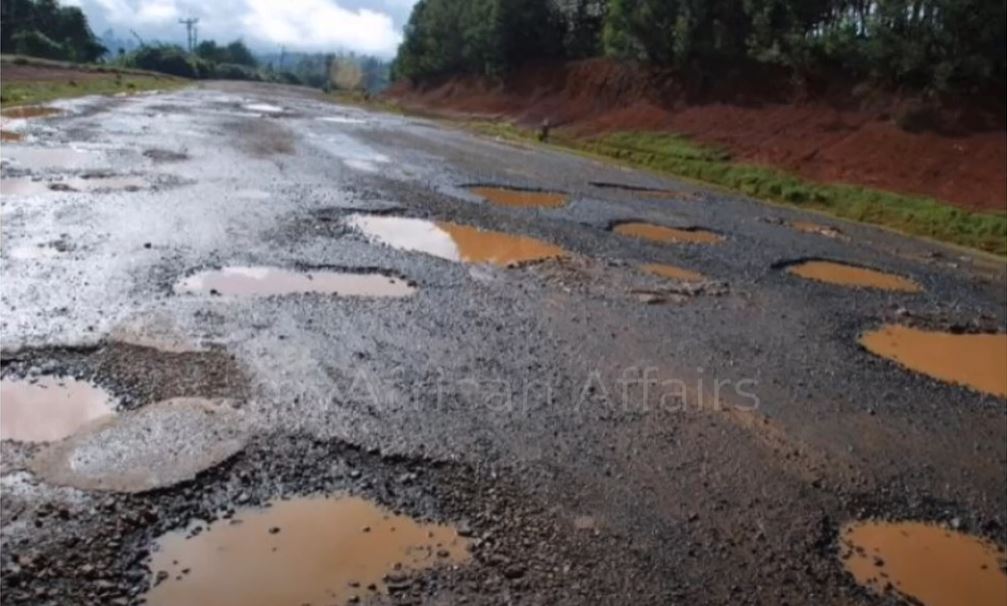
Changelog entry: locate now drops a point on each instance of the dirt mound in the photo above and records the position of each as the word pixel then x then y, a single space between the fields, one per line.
pixel 829 130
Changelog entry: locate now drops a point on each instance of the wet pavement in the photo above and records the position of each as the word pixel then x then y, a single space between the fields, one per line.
pixel 626 397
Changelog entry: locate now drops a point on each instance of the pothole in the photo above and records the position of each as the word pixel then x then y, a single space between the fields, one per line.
pixel 975 360
pixel 341 119
pixel 265 108
pixel 673 272
pixel 925 563
pixel 842 274
pixel 309 550
pixel 814 228
pixel 520 198
pixel 136 375
pixel 164 155
pixel 47 157
pixel 29 111
pixel 31 187
pixel 454 242
pixel 156 446
pixel 644 191
pixel 258 281
pixel 9 136
pixel 50 408
pixel 667 235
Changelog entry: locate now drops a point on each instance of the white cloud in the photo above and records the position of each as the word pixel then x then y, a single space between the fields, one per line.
pixel 320 24
pixel 367 26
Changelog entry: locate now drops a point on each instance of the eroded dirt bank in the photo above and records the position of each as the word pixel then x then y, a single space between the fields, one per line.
pixel 956 152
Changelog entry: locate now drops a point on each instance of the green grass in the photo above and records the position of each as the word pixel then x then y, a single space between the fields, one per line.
pixel 672 154
pixel 93 80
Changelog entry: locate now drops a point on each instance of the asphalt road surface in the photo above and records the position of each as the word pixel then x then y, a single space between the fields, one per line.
pixel 600 434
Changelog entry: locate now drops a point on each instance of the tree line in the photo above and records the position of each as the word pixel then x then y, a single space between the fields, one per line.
pixel 940 45
pixel 44 28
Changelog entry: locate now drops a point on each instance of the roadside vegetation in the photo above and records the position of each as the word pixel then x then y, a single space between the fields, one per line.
pixel 45 29
pixel 27 81
pixel 938 46
pixel 674 155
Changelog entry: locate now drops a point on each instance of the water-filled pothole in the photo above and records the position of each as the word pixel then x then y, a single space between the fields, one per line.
pixel 29 111
pixel 852 276
pixel 341 119
pixel 266 108
pixel 667 235
pixel 267 281
pixel 925 562
pixel 814 228
pixel 32 187
pixel 975 360
pixel 673 272
pixel 453 241
pixel 47 157
pixel 520 198
pixel 49 408
pixel 9 136
pixel 313 550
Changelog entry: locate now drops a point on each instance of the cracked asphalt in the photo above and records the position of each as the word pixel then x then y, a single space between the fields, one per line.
pixel 608 437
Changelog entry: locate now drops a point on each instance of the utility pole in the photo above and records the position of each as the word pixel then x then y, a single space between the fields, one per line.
pixel 190 31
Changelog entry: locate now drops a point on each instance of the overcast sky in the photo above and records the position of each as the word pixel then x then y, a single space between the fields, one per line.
pixel 367 26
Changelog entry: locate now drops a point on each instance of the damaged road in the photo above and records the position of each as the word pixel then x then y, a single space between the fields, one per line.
pixel 311 324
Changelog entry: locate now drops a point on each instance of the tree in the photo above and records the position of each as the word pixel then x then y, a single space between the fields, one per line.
pixel 44 28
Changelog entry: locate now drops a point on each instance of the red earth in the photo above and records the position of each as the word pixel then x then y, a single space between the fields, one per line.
pixel 833 132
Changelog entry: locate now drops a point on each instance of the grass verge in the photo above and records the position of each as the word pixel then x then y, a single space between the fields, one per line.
pixel 675 155
pixel 73 81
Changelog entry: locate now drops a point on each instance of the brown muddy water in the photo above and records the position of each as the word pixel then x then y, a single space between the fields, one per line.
pixel 975 360
pixel 667 235
pixel 267 281
pixel 312 550
pixel 453 241
pixel 521 198
pixel 852 276
pixel 31 187
pixel 30 111
pixel 10 136
pixel 50 408
pixel 672 272
pixel 931 564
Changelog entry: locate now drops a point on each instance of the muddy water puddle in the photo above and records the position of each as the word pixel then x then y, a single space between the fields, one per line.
pixel 453 241
pixel 975 360
pixel 263 108
pixel 312 550
pixel 49 408
pixel 852 276
pixel 341 120
pixel 931 564
pixel 33 187
pixel 9 136
pixel 814 228
pixel 30 111
pixel 520 198
pixel 46 157
pixel 673 272
pixel 667 235
pixel 267 281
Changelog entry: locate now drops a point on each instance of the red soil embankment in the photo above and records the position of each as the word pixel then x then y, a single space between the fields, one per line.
pixel 838 133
